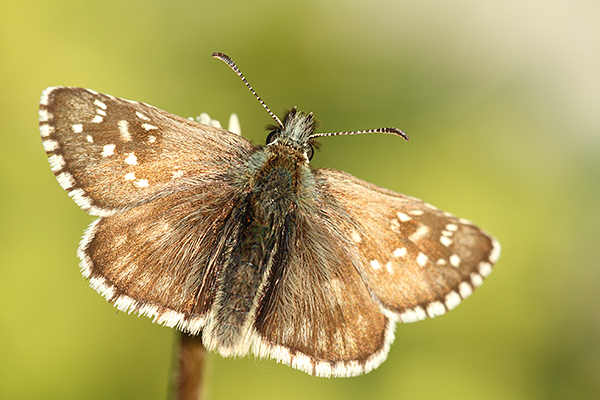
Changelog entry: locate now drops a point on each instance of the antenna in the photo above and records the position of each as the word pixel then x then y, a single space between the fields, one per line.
pixel 227 60
pixel 392 131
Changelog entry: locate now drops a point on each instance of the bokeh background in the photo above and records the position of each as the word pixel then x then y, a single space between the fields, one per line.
pixel 501 99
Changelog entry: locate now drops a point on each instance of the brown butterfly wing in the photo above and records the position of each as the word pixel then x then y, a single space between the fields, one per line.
pixel 417 260
pixel 111 154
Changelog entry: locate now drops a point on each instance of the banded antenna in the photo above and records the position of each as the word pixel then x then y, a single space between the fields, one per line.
pixel 226 59
pixel 390 130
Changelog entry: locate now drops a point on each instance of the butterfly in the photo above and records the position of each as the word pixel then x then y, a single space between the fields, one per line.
pixel 248 246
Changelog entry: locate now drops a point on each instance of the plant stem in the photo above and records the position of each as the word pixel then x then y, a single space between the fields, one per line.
pixel 188 368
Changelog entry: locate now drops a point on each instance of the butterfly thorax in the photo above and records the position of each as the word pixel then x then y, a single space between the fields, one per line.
pixel 277 182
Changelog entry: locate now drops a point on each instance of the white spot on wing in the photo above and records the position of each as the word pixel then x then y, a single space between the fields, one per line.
pixel 44 115
pixel 408 316
pixel 100 104
pixel 57 162
pixel 465 290
pixel 124 130
pixel 125 303
pixel 108 150
pixel 86 262
pixel 77 128
pixel 99 285
pixel 97 119
pixel 495 254
pixel 422 259
pixel 375 264
pixel 148 127
pixel 89 138
pixel 79 197
pixel 400 252
pixel 476 279
pixel 142 116
pixel 151 139
pixel 323 369
pixel 395 225
pixel 130 176
pixel 282 354
pixel 417 235
pixel 46 130
pixel 454 260
pixel 355 237
pixel 452 227
pixel 50 145
pixel 131 159
pixel 416 212
pixel 301 362
pixel 413 315
pixel 45 94
pixel 403 217
pixel 446 241
pixel 65 180
pixel 436 309
pixel 485 269
pixel 141 183
pixel 388 267
pixel 452 300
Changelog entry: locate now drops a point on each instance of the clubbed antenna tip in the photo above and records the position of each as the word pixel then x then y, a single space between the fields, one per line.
pixel 392 131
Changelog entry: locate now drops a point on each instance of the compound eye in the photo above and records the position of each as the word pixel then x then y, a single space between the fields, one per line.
pixel 310 152
pixel 271 137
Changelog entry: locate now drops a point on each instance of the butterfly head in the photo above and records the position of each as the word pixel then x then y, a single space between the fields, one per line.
pixel 295 132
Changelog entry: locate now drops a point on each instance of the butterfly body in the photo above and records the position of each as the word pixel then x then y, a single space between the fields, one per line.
pixel 248 246
pixel 271 185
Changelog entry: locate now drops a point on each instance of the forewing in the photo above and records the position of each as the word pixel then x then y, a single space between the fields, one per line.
pixel 111 154
pixel 417 261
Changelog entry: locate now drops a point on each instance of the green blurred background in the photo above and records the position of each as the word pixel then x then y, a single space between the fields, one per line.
pixel 501 100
